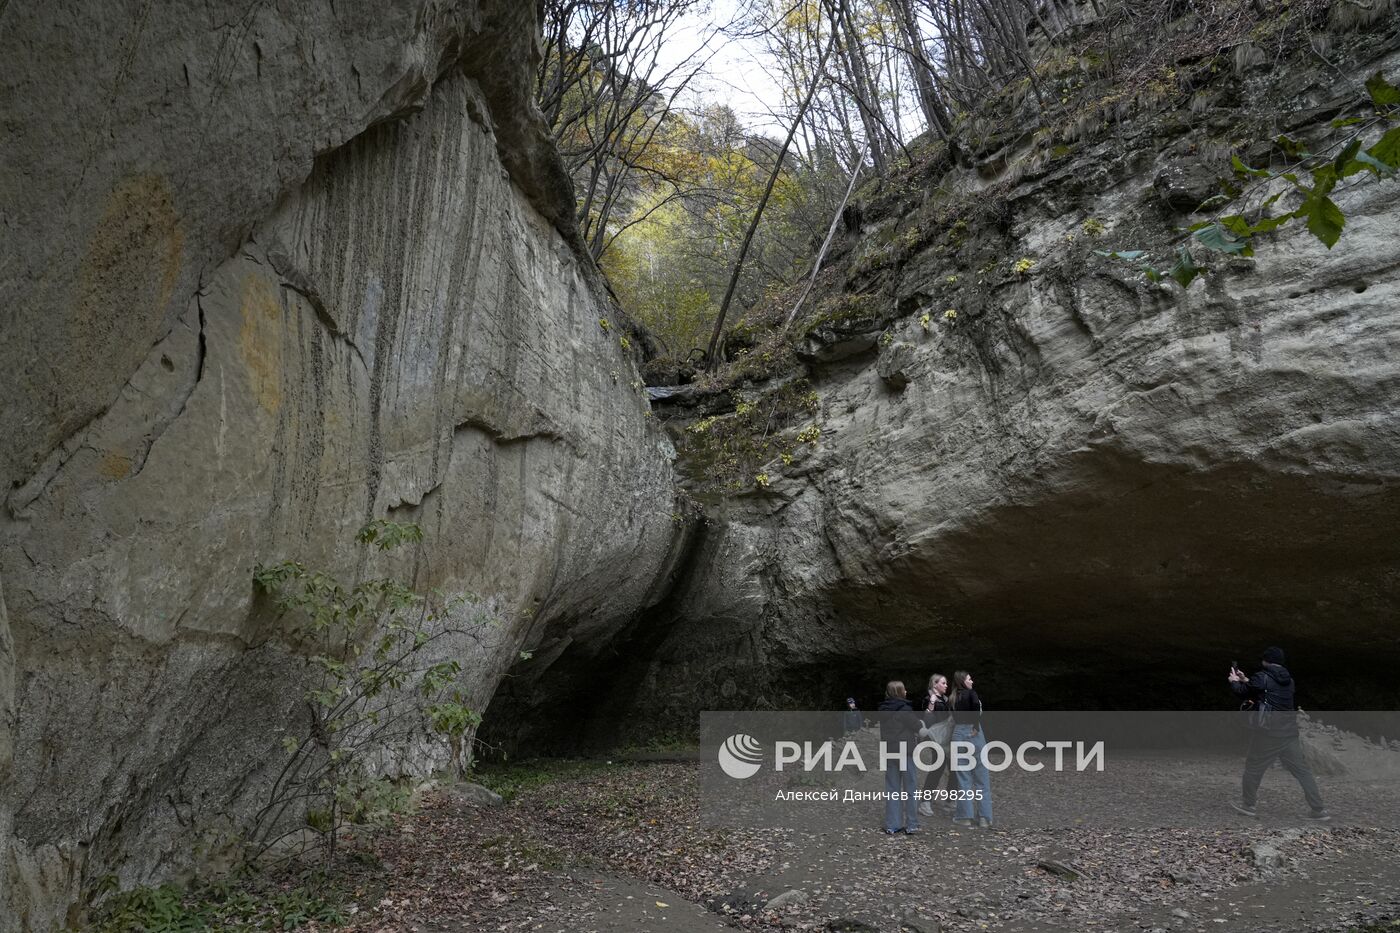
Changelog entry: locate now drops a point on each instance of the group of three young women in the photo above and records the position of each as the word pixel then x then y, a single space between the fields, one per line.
pixel 899 722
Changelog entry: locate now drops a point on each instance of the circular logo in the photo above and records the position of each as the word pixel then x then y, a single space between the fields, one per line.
pixel 740 755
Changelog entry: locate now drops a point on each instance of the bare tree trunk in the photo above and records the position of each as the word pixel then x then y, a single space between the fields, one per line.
pixel 710 358
pixel 1012 36
pixel 826 243
pixel 861 89
pixel 934 111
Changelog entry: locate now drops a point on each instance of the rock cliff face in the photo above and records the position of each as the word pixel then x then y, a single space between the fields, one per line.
pixel 272 272
pixel 1081 473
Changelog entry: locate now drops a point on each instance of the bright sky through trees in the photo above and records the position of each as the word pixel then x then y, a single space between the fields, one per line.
pixel 740 73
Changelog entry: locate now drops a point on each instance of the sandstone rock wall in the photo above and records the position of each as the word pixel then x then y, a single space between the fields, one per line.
pixel 273 271
pixel 1082 475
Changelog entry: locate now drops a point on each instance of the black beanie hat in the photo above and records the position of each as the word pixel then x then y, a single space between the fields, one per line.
pixel 1273 655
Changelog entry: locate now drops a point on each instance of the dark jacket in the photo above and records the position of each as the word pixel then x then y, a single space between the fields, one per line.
pixel 898 722
pixel 967 708
pixel 1269 694
pixel 942 711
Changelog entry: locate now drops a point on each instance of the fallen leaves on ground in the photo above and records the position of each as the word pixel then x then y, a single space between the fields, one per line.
pixel 543 863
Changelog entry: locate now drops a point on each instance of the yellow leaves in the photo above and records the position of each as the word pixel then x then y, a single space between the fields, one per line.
pixel 686 206
pixel 799 17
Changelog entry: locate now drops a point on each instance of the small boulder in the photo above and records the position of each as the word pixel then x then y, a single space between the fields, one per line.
pixel 739 902
pixel 850 925
pixel 894 365
pixel 915 922
pixel 1266 855
pixel 793 898
pixel 472 795
pixel 1059 869
pixel 1323 761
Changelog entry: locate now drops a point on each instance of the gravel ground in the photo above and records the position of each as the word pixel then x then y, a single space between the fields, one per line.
pixel 606 847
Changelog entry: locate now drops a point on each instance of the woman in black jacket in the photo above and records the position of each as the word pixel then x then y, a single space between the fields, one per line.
pixel 899 726
pixel 936 715
pixel 967 727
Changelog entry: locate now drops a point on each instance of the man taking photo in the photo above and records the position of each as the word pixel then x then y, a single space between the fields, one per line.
pixel 1268 697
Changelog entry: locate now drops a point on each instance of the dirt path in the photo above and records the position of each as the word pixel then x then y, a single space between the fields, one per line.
pixel 599 847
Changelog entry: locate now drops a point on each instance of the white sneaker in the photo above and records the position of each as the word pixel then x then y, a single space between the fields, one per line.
pixel 925 809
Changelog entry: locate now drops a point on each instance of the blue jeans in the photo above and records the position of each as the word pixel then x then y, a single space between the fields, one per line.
pixel 902 814
pixel 978 778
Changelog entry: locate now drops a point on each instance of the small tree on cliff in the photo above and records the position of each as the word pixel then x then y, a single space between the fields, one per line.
pixel 377 683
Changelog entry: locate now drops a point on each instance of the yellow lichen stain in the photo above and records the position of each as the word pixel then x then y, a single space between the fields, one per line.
pixel 114 465
pixel 260 341
pixel 130 268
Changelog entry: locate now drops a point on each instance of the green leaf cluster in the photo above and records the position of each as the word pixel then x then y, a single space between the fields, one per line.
pixel 169 909
pixel 724 453
pixel 1312 179
pixel 375 683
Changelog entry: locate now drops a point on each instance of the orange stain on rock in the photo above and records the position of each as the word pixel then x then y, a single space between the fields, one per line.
pixel 129 270
pixel 114 465
pixel 260 341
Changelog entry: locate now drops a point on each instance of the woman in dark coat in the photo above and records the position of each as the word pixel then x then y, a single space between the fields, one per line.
pixel 900 726
pixel 936 715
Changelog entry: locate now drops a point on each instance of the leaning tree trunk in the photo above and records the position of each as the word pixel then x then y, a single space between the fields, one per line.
pixel 826 243
pixel 763 202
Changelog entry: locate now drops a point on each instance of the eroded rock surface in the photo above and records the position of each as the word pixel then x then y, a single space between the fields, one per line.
pixel 1075 474
pixel 273 272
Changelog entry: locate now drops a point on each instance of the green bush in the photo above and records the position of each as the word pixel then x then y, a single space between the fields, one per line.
pixel 512 779
pixel 169 909
pixel 374 686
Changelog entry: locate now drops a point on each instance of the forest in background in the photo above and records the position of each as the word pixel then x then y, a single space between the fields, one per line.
pixel 699 220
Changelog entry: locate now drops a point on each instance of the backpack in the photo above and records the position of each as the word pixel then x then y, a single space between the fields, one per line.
pixel 1263 715
pixel 1258 712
